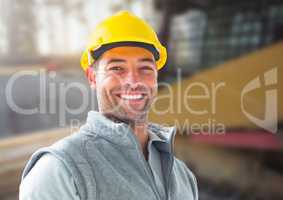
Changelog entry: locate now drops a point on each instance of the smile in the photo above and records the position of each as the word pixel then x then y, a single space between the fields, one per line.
pixel 132 97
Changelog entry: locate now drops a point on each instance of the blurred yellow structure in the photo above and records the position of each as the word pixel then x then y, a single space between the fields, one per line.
pixel 222 86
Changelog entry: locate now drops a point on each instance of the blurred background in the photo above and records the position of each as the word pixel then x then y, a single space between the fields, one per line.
pixel 224 74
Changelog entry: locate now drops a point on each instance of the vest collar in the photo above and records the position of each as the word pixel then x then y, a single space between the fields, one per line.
pixel 118 132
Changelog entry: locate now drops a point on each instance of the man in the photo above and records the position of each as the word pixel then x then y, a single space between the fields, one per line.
pixel 117 154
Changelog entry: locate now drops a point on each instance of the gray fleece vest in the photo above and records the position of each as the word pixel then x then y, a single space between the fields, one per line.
pixel 106 162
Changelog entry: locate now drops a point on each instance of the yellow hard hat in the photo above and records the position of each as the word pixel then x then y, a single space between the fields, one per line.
pixel 123 29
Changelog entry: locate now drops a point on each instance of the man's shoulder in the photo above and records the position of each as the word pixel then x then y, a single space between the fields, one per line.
pixel 51 165
pixel 183 168
pixel 62 151
pixel 47 176
pixel 185 174
pixel 65 157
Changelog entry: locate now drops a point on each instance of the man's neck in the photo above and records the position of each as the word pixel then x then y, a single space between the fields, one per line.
pixel 140 130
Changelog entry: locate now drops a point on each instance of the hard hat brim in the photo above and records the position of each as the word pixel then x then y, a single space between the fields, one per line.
pixel 105 47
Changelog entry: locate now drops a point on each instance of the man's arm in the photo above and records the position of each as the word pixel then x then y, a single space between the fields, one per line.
pixel 48 179
pixel 192 182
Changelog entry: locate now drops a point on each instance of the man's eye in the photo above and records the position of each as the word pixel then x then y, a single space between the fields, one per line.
pixel 115 68
pixel 147 68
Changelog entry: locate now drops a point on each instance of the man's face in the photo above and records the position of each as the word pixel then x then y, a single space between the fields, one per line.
pixel 126 83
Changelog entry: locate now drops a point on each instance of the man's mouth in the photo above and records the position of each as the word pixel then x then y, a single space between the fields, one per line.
pixel 132 97
pixel 132 101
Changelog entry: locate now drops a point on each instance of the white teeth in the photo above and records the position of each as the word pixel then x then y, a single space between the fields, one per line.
pixel 131 97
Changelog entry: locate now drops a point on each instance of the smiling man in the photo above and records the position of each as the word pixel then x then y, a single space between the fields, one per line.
pixel 118 154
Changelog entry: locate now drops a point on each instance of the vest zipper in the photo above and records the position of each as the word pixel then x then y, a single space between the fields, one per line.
pixel 170 165
pixel 146 167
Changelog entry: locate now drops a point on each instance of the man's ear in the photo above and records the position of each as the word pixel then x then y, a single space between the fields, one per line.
pixel 91 77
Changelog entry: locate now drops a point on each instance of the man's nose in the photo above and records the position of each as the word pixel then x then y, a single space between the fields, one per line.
pixel 133 77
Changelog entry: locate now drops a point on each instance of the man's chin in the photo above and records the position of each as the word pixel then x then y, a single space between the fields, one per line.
pixel 127 117
pixel 133 116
